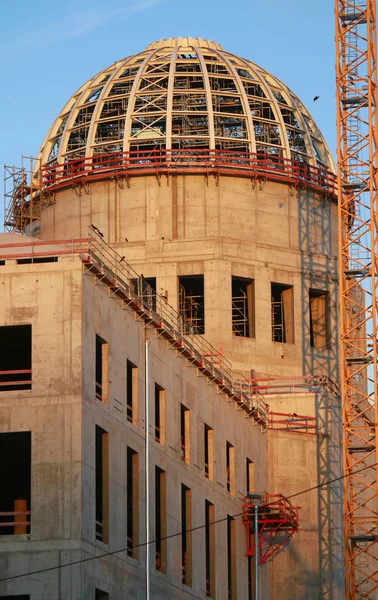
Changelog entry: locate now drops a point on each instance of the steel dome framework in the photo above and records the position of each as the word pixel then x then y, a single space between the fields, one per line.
pixel 181 94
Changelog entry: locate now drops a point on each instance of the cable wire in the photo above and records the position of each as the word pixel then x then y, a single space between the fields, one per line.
pixel 173 535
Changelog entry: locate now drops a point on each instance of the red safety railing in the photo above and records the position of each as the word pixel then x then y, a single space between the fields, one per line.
pixel 15 379
pixel 277 522
pixel 291 422
pixel 170 162
pixel 14 523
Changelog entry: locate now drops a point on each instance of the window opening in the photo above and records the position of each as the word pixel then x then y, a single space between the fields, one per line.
pixel 319 318
pixel 132 503
pixel 282 303
pixel 100 595
pixel 192 303
pixel 102 359
pixel 102 485
pixel 15 477
pixel 243 307
pixel 231 557
pixel 15 358
pixel 159 414
pixel 185 433
pixel 186 537
pixel 132 392
pixel 210 549
pixel 209 452
pixel 250 476
pixel 160 520
pixel 145 288
pixel 230 468
pixel 36 260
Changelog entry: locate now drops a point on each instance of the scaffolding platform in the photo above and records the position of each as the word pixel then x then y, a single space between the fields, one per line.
pixel 277 523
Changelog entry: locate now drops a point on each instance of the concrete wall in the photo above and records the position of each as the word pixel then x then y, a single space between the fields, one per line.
pixel 49 298
pixel 267 231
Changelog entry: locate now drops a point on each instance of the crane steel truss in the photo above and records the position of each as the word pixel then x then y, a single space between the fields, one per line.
pixel 357 143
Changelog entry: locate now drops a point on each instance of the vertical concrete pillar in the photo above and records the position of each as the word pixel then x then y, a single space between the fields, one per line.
pixel 218 315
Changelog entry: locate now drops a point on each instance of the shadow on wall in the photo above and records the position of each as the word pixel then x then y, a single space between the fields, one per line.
pixel 320 352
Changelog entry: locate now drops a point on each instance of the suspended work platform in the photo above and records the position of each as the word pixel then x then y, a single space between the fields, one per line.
pixel 277 522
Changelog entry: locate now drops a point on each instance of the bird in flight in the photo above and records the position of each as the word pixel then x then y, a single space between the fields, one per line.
pixel 316 98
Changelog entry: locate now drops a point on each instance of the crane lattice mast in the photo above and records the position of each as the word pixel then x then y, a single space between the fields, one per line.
pixel 357 142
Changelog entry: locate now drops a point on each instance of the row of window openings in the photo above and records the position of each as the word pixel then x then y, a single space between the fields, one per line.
pixel 192 309
pixel 15 505
pixel 16 363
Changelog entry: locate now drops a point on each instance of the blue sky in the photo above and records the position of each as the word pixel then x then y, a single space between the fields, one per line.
pixel 48 49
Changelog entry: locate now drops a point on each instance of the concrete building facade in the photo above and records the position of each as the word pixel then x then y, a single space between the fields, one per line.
pixel 207 176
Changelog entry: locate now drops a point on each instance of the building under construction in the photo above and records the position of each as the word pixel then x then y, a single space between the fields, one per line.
pixel 169 327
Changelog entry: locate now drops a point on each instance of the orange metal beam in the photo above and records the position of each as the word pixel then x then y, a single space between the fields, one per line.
pixel 357 142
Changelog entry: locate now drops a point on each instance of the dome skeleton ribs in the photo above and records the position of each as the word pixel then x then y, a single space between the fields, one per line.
pixel 179 94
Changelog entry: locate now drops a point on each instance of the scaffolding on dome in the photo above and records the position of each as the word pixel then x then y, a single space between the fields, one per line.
pixel 22 197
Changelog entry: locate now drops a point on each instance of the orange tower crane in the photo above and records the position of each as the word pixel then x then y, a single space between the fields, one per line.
pixel 357 141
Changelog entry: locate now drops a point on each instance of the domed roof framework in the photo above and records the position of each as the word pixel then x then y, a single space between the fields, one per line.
pixel 184 94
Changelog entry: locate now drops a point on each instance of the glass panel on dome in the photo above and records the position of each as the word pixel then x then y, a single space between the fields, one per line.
pixel 55 148
pixel 227 104
pixel 145 127
pixel 187 82
pixel 244 73
pixel 153 83
pixel 108 131
pixel 93 96
pixel 189 102
pixel 116 147
pixel 296 140
pixel 289 117
pixel 157 68
pixel 253 89
pixel 84 115
pixel 230 127
pixel 238 148
pixel 262 110
pixel 222 84
pixel 150 103
pixel 187 124
pixel 62 125
pixel 121 88
pixel 77 139
pixel 188 67
pixel 194 143
pixel 217 68
pixel 279 97
pixel 114 108
pixel 147 150
pixel 266 132
pixel 129 72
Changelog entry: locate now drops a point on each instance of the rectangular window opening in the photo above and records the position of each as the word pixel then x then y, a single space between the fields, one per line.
pixel 230 468
pixel 132 392
pixel 209 452
pixel 243 307
pixel 250 476
pixel 102 485
pixel 192 303
pixel 132 503
pixel 100 595
pixel 159 414
pixel 15 358
pixel 185 433
pixel 145 288
pixel 186 537
pixel 231 557
pixel 102 366
pixel 160 520
pixel 15 477
pixel 282 304
pixel 319 318
pixel 209 549
pixel 36 260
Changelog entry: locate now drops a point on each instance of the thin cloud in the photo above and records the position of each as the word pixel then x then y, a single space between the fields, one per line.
pixel 76 24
